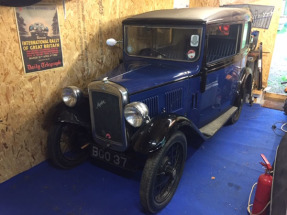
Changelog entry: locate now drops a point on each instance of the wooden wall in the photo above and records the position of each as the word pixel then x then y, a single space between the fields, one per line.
pixel 266 36
pixel 26 99
pixel 204 3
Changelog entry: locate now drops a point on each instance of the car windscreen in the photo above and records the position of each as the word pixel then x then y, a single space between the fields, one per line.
pixel 169 43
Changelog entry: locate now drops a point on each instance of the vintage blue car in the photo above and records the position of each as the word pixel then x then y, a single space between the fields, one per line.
pixel 183 76
pixel 38 29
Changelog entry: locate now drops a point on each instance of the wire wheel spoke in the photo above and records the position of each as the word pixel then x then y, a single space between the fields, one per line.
pixel 69 143
pixel 167 173
pixel 175 156
pixel 161 188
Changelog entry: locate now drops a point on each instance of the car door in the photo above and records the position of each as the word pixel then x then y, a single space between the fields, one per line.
pixel 223 63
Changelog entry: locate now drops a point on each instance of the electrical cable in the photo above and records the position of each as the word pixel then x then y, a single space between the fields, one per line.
pixel 280 135
pixel 281 128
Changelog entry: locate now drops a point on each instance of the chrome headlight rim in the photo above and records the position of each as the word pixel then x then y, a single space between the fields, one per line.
pixel 136 113
pixel 71 95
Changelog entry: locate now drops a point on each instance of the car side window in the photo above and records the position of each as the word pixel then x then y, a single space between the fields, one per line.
pixel 222 41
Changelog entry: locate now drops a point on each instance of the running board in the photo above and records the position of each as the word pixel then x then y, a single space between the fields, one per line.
pixel 210 129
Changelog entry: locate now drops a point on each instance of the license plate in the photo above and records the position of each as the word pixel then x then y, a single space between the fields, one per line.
pixel 112 157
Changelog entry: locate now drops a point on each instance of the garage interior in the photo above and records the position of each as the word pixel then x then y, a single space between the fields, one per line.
pixel 218 176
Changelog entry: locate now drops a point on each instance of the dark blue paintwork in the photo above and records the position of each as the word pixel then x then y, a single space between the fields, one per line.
pixel 220 92
pixel 138 76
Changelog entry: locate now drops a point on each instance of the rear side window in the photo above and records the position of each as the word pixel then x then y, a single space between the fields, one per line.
pixel 222 41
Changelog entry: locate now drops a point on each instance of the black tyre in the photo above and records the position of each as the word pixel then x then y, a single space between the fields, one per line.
pixel 162 173
pixel 239 103
pixel 236 115
pixel 65 143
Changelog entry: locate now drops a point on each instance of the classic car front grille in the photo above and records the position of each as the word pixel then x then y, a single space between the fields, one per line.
pixel 107 116
pixel 107 100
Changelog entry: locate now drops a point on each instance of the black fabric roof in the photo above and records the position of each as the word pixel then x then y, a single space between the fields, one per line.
pixel 206 15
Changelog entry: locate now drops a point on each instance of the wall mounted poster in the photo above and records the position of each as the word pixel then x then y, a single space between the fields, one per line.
pixel 39 37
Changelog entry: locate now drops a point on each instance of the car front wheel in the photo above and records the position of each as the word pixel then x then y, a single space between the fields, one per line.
pixel 162 173
pixel 66 147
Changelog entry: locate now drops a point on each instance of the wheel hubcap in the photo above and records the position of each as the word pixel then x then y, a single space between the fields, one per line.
pixel 171 171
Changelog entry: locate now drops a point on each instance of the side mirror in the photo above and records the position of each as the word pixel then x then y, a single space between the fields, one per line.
pixel 112 42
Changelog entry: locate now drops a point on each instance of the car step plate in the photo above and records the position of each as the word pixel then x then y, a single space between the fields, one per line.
pixel 210 129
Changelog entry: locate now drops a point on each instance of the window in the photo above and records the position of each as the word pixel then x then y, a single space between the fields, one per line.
pixel 222 41
pixel 172 43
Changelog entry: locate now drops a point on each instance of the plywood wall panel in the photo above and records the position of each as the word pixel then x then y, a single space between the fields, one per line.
pixel 26 100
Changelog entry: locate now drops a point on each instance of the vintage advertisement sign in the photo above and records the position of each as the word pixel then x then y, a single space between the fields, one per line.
pixel 39 37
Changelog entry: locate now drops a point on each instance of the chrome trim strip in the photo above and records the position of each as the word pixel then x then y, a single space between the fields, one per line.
pixel 116 90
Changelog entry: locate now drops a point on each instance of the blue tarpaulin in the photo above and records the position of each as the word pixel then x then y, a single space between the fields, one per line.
pixel 217 177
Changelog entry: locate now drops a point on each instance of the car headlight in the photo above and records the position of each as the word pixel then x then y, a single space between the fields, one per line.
pixel 136 113
pixel 71 95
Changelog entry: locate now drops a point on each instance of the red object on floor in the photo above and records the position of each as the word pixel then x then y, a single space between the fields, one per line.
pixel 263 190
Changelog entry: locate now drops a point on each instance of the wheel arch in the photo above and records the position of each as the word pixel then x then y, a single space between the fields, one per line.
pixel 246 80
pixel 157 132
pixel 60 113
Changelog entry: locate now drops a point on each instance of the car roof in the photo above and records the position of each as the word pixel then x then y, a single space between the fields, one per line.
pixel 203 15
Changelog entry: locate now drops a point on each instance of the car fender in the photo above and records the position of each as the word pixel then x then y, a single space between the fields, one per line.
pixel 73 117
pixel 245 85
pixel 246 80
pixel 153 135
pixel 79 115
